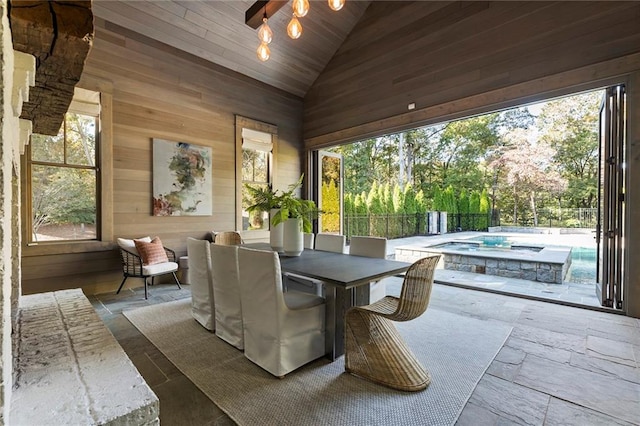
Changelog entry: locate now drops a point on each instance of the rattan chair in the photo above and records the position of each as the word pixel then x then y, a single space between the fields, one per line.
pixel 374 350
pixel 132 265
pixel 227 238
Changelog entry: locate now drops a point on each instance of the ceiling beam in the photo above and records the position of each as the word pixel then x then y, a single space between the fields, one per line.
pixel 253 15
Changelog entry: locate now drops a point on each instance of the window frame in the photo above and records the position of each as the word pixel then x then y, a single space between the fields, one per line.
pixel 253 125
pixel 104 193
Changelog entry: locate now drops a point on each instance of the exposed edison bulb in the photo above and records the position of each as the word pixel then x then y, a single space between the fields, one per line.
pixel 263 52
pixel 294 29
pixel 300 7
pixel 265 34
pixel 336 4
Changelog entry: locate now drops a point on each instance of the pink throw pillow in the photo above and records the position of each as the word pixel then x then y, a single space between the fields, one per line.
pixel 151 253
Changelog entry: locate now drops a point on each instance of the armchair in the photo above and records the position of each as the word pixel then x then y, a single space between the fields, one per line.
pixel 158 260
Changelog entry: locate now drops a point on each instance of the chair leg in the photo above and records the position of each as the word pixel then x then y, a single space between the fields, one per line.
pixel 374 350
pixel 122 284
pixel 146 292
pixel 175 277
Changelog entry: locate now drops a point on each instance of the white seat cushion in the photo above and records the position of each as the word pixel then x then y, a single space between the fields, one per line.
pixel 160 268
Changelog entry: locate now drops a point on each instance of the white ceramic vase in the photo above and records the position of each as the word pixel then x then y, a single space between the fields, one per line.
pixel 292 237
pixel 275 233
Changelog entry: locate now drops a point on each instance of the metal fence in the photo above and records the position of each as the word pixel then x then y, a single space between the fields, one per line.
pixel 558 218
pixel 407 225
pixel 384 225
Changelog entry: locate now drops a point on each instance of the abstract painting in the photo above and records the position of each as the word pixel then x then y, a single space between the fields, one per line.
pixel 182 179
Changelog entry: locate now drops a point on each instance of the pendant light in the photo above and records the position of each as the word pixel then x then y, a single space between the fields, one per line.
pixel 265 35
pixel 300 7
pixel 336 4
pixel 294 29
pixel 263 52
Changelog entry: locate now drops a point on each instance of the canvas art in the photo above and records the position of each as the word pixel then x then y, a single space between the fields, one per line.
pixel 182 179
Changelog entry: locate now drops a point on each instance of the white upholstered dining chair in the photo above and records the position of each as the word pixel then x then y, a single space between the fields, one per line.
pixel 282 331
pixel 226 289
pixel 200 278
pixel 330 242
pixel 371 247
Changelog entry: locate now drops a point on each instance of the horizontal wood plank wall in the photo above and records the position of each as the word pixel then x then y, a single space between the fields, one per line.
pixel 447 56
pixel 160 92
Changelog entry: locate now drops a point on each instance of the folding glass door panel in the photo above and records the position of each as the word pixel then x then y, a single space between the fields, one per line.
pixel 611 198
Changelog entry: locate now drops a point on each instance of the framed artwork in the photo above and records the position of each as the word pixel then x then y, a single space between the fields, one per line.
pixel 182 179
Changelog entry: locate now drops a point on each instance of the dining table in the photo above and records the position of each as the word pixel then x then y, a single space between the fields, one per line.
pixel 347 280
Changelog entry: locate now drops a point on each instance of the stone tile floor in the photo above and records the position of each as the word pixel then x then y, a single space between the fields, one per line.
pixel 561 364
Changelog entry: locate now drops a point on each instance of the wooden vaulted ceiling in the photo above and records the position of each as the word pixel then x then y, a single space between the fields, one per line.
pixel 59 33
pixel 216 31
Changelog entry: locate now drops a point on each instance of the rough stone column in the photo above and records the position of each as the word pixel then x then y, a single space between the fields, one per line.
pixel 6 201
pixel 14 133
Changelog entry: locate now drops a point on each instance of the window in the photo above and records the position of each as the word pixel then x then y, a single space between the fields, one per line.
pixel 257 169
pixel 64 177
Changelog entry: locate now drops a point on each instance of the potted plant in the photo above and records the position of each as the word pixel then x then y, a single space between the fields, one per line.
pixel 288 212
pixel 265 199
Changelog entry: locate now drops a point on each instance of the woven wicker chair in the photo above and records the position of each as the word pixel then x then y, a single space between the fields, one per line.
pixel 227 238
pixel 374 349
pixel 132 265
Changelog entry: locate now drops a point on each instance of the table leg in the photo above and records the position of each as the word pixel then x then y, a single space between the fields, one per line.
pixel 338 302
pixel 330 321
pixel 362 295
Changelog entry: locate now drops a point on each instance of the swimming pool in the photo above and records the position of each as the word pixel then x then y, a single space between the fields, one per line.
pixel 583 259
pixel 583 265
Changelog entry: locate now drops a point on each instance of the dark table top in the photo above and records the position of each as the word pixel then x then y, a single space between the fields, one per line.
pixel 336 268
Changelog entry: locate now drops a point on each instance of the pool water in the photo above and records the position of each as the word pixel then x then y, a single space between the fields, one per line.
pixel 493 241
pixel 460 246
pixel 583 265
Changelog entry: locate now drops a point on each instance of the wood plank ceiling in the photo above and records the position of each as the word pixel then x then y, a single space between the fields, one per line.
pixel 215 31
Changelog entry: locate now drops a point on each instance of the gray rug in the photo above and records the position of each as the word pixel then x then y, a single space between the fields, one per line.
pixel 455 349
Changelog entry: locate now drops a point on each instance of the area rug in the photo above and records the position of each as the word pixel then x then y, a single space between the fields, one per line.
pixel 455 349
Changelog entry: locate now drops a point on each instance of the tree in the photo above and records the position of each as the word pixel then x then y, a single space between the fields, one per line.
pixel 570 126
pixel 330 207
pixel 63 177
pixel 528 169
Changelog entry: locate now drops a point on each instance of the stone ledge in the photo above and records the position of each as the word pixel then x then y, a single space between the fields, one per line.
pixel 71 370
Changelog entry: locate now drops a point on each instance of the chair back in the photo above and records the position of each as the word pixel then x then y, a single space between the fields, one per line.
pixel 200 278
pixel 368 247
pixel 330 242
pixel 309 240
pixel 228 238
pixel 226 290
pixel 416 289
pixel 279 335
pixel 260 287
